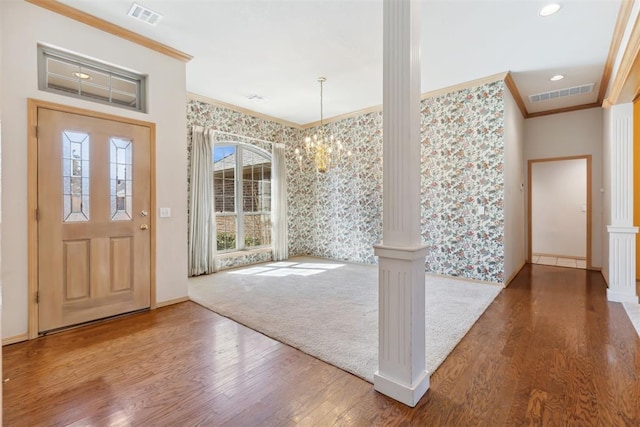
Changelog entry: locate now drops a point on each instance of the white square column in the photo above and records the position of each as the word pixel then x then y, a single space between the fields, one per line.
pixel 622 233
pixel 401 283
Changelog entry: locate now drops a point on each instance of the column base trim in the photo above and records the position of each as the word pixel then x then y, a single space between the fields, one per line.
pixel 621 297
pixel 409 395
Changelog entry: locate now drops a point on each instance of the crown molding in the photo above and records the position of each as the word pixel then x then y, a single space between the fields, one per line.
pixel 621 23
pixel 564 110
pixel 465 85
pixel 221 104
pixel 108 27
pixel 626 83
pixel 426 95
pixel 511 85
pixel 505 76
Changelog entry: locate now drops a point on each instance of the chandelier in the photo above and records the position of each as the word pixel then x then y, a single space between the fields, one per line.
pixel 324 150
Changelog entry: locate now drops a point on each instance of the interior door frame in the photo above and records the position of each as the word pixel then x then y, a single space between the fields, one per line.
pixel 32 197
pixel 530 163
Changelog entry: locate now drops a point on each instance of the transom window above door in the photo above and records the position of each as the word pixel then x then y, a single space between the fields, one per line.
pixel 242 197
pixel 73 75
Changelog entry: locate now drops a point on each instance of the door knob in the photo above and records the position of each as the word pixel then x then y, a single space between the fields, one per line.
pixel 144 227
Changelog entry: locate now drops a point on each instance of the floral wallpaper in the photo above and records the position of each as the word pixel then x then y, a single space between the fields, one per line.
pixel 342 207
pixel 462 173
pixel 243 259
pixel 338 214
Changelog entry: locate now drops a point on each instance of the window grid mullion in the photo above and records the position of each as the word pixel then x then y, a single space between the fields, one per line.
pixel 239 199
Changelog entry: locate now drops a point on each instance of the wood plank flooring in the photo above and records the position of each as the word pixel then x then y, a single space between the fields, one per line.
pixel 550 350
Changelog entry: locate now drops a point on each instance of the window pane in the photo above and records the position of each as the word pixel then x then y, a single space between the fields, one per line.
pixel 121 179
pixel 95 92
pixel 252 208
pixel 75 176
pixel 224 183
pixel 124 86
pixel 257 230
pixel 226 232
pixel 256 184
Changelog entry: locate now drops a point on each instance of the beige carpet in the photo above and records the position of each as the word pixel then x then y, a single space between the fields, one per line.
pixel 329 309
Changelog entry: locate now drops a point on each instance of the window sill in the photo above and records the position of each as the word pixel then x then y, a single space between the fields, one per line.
pixel 237 254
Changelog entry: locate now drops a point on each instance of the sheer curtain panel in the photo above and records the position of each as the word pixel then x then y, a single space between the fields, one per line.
pixel 202 224
pixel 279 204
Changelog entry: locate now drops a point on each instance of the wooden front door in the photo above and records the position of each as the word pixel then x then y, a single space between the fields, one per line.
pixel 94 192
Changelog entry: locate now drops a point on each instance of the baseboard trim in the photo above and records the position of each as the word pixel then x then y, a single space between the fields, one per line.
pixel 15 339
pixel 582 258
pixel 465 279
pixel 515 273
pixel 172 301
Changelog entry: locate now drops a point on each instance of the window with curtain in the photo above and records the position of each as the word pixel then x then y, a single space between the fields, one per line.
pixel 242 197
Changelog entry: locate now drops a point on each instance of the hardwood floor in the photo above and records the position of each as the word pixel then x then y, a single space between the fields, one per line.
pixel 550 350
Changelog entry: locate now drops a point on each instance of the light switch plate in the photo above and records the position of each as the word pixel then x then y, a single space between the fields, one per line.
pixel 165 212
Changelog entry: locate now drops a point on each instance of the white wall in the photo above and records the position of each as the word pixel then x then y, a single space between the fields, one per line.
pixel 606 185
pixel 514 177
pixel 1 372
pixel 558 208
pixel 572 134
pixel 23 26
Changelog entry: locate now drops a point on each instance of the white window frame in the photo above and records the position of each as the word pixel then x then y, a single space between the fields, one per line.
pixel 239 196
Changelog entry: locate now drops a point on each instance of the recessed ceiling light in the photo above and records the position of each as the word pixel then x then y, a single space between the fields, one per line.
pixel 256 98
pixel 549 9
pixel 557 77
pixel 82 76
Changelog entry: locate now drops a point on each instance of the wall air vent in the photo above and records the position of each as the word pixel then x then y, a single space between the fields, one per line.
pixel 143 14
pixel 561 93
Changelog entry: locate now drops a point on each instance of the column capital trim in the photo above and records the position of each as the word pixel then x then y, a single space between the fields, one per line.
pixel 622 229
pixel 405 253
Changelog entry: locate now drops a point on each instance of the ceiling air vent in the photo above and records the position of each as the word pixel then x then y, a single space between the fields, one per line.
pixel 143 14
pixel 561 93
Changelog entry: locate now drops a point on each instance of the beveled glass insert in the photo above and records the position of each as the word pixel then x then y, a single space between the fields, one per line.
pixel 121 179
pixel 75 176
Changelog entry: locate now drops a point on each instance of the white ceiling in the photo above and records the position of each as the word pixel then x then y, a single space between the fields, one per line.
pixel 277 49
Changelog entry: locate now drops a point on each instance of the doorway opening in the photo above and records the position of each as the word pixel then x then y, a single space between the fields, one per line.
pixel 559 226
